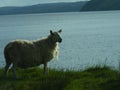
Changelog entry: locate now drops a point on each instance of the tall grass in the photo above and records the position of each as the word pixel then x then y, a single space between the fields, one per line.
pixel 90 79
pixel 119 65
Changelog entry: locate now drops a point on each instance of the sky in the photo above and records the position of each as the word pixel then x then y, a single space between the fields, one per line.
pixel 30 2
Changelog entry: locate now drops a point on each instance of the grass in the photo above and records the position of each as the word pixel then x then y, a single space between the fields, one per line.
pixel 91 79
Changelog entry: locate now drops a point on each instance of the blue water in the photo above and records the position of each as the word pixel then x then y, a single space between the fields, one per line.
pixel 89 38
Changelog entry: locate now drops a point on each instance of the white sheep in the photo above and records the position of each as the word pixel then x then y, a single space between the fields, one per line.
pixel 25 53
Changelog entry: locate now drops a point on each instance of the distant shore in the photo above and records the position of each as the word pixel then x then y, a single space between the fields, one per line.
pixel 43 8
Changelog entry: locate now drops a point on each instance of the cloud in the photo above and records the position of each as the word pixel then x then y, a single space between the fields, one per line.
pixel 17 2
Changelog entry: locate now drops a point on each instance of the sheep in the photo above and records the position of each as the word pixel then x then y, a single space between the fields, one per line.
pixel 26 53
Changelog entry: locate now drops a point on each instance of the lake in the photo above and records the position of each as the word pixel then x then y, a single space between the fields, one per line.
pixel 89 38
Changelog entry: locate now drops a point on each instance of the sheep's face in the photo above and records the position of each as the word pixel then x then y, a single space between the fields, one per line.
pixel 56 36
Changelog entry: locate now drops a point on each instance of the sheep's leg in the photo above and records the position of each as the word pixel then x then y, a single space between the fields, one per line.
pixel 14 70
pixel 7 68
pixel 46 68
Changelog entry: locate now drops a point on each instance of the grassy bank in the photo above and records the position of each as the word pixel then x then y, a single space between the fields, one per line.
pixel 91 79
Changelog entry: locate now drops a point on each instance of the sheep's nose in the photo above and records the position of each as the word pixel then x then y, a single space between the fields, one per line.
pixel 60 40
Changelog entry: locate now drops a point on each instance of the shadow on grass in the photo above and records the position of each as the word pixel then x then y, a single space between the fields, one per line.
pixel 112 85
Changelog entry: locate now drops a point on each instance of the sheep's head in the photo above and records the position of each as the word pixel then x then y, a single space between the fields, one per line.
pixel 55 36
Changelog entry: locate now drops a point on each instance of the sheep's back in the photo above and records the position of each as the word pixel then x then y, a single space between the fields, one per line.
pixel 24 53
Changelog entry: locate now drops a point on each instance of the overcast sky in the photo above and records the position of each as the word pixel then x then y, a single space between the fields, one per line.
pixel 30 2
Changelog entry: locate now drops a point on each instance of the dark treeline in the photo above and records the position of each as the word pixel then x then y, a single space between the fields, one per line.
pixel 101 5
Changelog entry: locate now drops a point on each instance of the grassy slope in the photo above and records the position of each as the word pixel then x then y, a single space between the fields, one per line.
pixel 90 79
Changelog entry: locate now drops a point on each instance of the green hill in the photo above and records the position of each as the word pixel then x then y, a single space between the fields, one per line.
pixel 101 5
pixel 91 79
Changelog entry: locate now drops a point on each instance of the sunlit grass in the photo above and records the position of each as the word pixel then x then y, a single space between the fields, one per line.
pixel 95 78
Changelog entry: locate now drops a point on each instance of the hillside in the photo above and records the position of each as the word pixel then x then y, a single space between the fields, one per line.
pixel 101 5
pixel 43 8
pixel 34 79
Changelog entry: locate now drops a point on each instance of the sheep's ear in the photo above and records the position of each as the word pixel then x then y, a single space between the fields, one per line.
pixel 60 31
pixel 51 32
